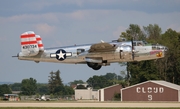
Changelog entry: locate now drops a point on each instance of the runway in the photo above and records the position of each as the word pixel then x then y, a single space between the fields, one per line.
pixel 102 104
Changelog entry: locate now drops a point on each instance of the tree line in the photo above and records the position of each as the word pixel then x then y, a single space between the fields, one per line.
pixel 167 68
pixel 56 87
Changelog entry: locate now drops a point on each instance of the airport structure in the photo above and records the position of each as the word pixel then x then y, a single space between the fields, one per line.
pixel 105 94
pixel 11 97
pixel 86 94
pixel 153 90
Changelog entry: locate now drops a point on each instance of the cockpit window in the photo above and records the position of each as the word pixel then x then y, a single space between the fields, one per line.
pixel 134 43
pixel 80 51
pixel 138 43
pixel 158 47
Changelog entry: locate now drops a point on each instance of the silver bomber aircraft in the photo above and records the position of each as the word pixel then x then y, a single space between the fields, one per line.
pixel 94 55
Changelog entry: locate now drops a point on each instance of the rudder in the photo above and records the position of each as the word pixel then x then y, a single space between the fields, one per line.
pixel 40 44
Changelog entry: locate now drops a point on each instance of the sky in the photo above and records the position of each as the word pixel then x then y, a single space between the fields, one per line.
pixel 69 22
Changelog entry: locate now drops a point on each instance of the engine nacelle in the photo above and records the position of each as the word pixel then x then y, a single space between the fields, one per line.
pixel 126 52
pixel 91 60
pixel 126 48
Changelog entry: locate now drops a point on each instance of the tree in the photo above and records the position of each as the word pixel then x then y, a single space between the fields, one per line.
pixel 102 81
pixel 68 90
pixel 75 82
pixel 59 90
pixel 144 70
pixel 56 86
pixel 42 89
pixel 152 32
pixel 167 68
pixel 15 87
pixel 170 69
pixel 110 76
pixel 55 82
pixel 134 31
pixel 5 89
pixel 98 82
pixel 29 86
pixel 58 80
pixel 51 82
pixel 117 96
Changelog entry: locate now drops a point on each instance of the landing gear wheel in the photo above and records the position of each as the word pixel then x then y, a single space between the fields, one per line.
pixel 94 66
pixel 97 67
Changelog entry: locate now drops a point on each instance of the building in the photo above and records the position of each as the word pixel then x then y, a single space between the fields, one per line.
pixel 107 94
pixel 86 94
pixel 16 92
pixel 153 90
pixel 104 94
pixel 11 97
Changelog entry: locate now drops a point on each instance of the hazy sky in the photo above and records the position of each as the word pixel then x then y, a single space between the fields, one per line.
pixel 69 22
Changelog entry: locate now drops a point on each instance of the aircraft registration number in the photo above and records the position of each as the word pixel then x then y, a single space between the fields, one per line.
pixel 29 46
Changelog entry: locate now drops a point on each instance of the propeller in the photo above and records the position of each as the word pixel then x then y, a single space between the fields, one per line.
pixel 132 48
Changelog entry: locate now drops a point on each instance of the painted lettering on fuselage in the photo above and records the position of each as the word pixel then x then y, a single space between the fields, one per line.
pixel 29 46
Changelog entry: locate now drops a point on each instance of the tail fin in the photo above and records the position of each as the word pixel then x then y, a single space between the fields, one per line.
pixel 40 44
pixel 31 44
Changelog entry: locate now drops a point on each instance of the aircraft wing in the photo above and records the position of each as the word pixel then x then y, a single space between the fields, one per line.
pixel 102 47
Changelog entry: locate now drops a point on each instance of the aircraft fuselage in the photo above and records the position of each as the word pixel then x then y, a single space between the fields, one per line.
pixel 78 54
pixel 94 55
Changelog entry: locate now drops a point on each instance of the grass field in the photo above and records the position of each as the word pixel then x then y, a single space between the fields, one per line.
pixel 85 104
pixel 75 108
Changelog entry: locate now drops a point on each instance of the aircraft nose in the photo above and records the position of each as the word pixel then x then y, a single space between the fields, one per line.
pixel 164 48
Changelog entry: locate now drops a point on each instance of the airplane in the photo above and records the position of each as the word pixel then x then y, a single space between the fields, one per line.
pixel 94 55
pixel 43 98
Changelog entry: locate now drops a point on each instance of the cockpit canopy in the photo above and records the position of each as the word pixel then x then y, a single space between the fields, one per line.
pixel 139 43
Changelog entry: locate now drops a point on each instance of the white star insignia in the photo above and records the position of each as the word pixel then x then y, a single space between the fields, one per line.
pixel 61 55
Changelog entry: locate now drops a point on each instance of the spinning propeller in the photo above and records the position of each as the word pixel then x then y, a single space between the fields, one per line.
pixel 132 48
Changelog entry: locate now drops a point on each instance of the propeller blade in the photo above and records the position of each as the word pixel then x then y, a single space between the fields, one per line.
pixel 132 48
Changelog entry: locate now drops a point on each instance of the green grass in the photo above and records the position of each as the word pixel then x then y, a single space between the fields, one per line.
pixel 76 108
